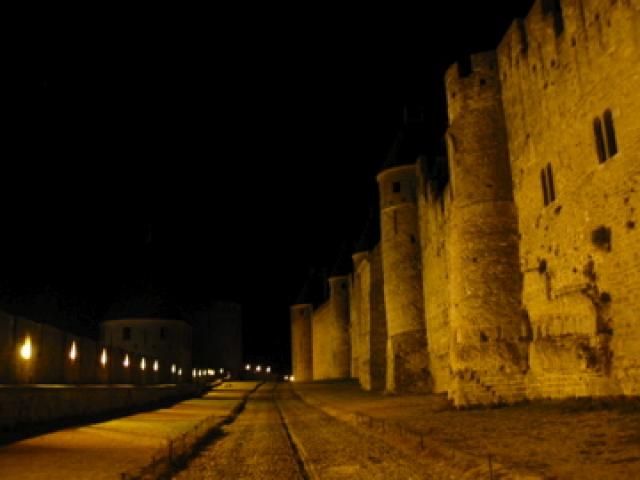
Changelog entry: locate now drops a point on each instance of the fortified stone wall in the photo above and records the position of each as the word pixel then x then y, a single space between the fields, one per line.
pixel 407 362
pixel 488 352
pixel 330 332
pixel 571 91
pixel 358 305
pixel 377 326
pixel 301 342
pixel 525 268
pixel 361 312
pixel 372 339
pixel 433 208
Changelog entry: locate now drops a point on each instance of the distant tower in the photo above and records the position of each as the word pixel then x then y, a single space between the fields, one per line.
pixel 487 357
pixel 301 342
pixel 407 366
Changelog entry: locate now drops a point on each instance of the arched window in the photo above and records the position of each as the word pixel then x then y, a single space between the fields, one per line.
pixel 548 185
pixel 606 142
pixel 545 192
pixel 612 144
pixel 597 131
pixel 551 184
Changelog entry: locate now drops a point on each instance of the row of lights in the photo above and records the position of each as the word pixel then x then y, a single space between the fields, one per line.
pixel 26 351
pixel 258 368
pixel 289 378
pixel 210 372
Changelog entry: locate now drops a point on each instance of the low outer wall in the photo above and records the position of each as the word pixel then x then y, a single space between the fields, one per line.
pixel 50 362
pixel 30 405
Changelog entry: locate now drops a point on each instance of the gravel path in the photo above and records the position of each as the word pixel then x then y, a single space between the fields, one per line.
pixel 254 446
pixel 276 432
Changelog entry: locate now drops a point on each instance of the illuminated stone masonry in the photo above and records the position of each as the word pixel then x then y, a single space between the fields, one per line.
pixel 519 275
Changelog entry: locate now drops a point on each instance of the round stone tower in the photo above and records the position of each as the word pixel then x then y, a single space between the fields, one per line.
pixel 487 356
pixel 407 366
pixel 301 342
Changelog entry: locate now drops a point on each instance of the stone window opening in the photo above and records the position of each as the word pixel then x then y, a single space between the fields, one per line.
pixel 606 142
pixel 126 333
pixel 551 184
pixel 545 191
pixel 396 187
pixel 599 134
pixel 612 144
pixel 548 185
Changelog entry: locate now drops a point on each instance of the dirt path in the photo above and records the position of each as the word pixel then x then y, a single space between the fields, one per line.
pixel 254 446
pixel 278 436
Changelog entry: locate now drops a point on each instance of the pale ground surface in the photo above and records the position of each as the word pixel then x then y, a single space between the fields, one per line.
pixel 552 440
pixel 104 450
pixel 256 446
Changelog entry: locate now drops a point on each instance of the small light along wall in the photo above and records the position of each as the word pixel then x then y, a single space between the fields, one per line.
pixel 26 351
pixel 72 360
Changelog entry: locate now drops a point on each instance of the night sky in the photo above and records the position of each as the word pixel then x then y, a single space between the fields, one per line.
pixel 212 155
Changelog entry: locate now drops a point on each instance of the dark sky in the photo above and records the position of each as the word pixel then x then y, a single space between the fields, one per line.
pixel 243 143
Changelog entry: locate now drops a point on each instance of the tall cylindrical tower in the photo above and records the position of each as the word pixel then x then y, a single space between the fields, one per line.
pixel 407 366
pixel 487 357
pixel 301 342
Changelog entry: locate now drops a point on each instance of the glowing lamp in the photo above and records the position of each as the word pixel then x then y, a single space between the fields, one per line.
pixel 258 368
pixel 125 362
pixel 73 352
pixel 103 357
pixel 173 368
pixel 268 370
pixel 248 367
pixel 155 365
pixel 179 372
pixel 143 363
pixel 210 372
pixel 221 371
pixel 194 373
pixel 292 378
pixel 25 350
pixel 286 378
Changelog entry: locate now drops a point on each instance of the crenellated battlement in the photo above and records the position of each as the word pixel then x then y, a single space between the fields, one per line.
pixel 557 35
pixel 472 84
